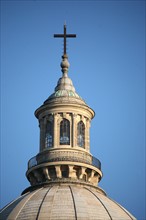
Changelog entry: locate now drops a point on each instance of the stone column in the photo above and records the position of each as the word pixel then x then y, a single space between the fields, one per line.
pixel 87 135
pixel 95 180
pixel 42 134
pixel 91 175
pixel 46 173
pixel 82 172
pixel 74 135
pixel 58 171
pixel 72 172
pixel 55 136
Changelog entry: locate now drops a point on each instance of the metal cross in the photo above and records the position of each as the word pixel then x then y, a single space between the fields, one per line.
pixel 65 36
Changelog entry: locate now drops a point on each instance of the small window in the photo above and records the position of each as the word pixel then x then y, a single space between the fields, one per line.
pixel 81 134
pixel 64 132
pixel 49 135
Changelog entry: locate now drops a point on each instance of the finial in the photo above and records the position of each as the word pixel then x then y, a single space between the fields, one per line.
pixel 64 65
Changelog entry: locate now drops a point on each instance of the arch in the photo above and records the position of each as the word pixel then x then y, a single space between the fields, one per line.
pixel 52 172
pixel 65 171
pixel 65 132
pixel 85 177
pixel 49 135
pixel 81 134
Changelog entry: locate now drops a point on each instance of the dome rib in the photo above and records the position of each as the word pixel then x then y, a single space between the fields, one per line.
pixel 62 207
pixel 121 207
pixel 114 208
pixel 88 207
pixel 53 200
pixel 5 212
pixel 37 217
pixel 100 202
pixel 73 202
pixel 27 205
pixel 13 209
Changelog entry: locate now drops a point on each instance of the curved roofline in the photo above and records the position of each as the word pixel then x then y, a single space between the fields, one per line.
pixel 62 182
pixel 56 105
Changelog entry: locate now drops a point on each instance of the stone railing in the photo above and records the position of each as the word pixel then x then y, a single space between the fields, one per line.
pixel 66 155
pixel 32 162
pixel 96 163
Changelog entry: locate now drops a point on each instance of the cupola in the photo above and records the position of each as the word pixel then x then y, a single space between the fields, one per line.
pixel 64 121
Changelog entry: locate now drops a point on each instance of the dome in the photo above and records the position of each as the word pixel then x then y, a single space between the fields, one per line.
pixel 64 88
pixel 63 96
pixel 65 201
pixel 65 91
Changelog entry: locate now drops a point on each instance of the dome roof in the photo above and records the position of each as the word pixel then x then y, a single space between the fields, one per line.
pixel 65 201
pixel 65 89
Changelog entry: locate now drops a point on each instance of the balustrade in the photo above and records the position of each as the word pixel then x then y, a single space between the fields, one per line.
pixel 74 156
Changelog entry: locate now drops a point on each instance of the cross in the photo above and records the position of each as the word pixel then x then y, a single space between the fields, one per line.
pixel 65 35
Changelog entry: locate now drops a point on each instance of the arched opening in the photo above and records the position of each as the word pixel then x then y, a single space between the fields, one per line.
pixel 52 172
pixel 81 134
pixel 49 135
pixel 85 177
pixel 65 171
pixel 65 132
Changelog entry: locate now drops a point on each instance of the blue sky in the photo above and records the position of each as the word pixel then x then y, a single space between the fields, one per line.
pixel 107 67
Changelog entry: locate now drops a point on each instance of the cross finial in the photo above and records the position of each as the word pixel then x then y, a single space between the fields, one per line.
pixel 65 35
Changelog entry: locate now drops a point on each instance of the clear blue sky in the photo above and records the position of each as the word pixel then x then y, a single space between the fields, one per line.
pixel 108 71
